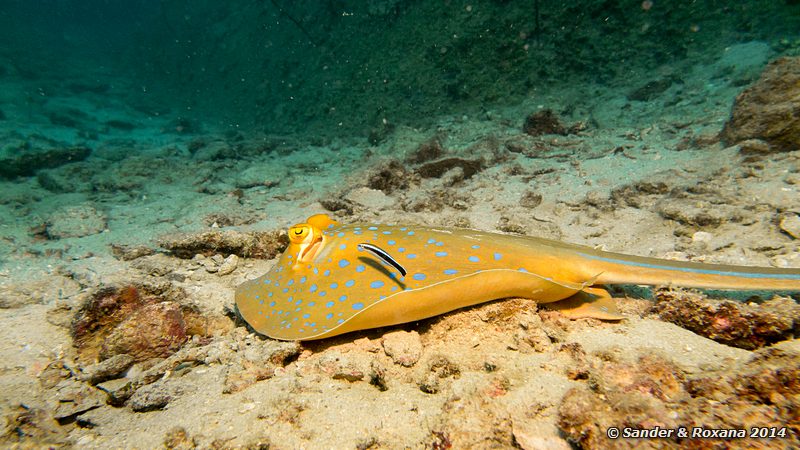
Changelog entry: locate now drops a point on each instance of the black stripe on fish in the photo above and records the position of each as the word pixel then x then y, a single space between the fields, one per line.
pixel 383 256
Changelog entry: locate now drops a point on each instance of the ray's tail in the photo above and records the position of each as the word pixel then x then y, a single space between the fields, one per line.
pixel 616 268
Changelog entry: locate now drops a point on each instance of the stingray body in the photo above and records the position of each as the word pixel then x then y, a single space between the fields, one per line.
pixel 335 278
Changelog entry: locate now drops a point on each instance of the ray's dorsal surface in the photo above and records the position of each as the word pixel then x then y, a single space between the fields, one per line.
pixel 335 278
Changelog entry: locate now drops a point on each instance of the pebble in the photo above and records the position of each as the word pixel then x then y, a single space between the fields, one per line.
pixel 151 397
pixel 228 265
pixel 404 347
pixel 109 369
pixel 790 224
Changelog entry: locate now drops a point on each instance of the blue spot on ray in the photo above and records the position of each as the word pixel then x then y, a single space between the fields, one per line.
pixel 376 284
pixel 344 262
pixel 349 283
pixel 441 254
pixel 450 271
pixel 357 306
pixel 419 276
pixel 473 259
pixel 360 268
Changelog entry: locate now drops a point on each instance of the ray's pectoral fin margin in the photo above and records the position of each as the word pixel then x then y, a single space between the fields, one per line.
pixel 591 302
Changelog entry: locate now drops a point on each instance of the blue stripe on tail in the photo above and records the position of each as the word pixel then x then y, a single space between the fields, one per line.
pixel 727 273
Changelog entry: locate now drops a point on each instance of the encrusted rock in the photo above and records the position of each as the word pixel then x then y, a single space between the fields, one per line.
pixel 436 169
pixel 153 396
pixel 29 427
pixel 428 150
pixel 153 331
pixel 72 398
pixel 754 147
pixel 767 110
pixel 258 244
pixel 23 161
pixel 178 439
pixel 543 122
pixel 736 324
pixel 530 199
pixel 109 369
pixel 54 373
pixel 436 369
pixel 404 347
pixel 388 176
pixel 143 320
pixel 130 252
pixel 699 213
pixel 75 221
pixel 259 359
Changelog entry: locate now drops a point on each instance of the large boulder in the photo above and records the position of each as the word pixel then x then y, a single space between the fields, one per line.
pixel 769 110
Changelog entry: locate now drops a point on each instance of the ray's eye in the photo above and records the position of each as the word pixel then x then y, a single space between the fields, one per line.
pixel 299 233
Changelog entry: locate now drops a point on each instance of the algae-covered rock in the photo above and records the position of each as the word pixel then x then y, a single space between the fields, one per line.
pixel 767 110
pixel 748 326
pixel 24 161
pixel 258 244
pixel 154 331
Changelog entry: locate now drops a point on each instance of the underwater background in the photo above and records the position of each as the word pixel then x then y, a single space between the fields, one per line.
pixel 153 152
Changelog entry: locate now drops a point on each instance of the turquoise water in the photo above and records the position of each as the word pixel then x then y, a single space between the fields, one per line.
pixel 345 67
